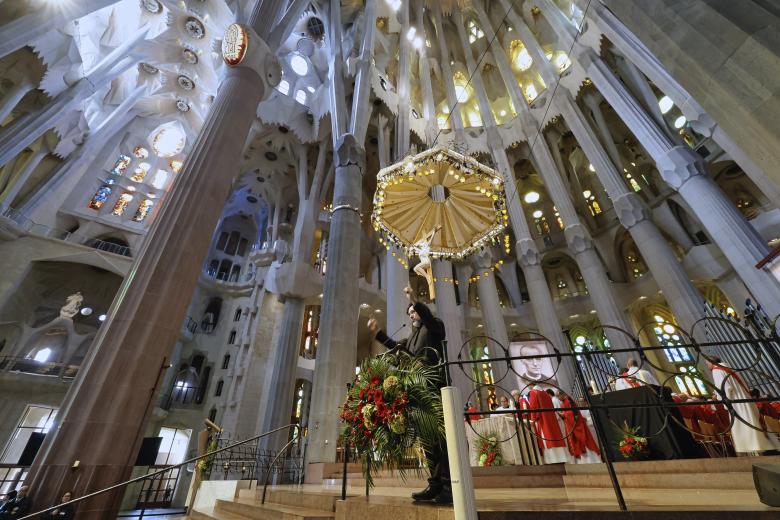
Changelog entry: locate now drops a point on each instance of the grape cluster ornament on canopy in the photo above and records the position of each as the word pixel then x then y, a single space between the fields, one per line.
pixel 439 204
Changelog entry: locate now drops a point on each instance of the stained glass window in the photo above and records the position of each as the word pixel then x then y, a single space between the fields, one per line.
pixel 140 172
pixel 121 204
pixel 176 165
pixel 121 164
pixel 143 209
pixel 100 197
pixel 159 179
pixel 141 152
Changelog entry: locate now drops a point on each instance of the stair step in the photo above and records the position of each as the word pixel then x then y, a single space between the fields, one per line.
pixel 710 481
pixel 253 509
pixel 211 513
pixel 518 481
pixel 310 500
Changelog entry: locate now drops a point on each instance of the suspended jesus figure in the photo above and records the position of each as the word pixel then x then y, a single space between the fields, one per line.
pixel 423 249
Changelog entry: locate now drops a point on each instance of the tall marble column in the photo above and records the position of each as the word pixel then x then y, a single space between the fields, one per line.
pixel 337 348
pixel 492 316
pixel 397 274
pixel 447 310
pixel 456 119
pixel 544 309
pixel 132 348
pixel 280 374
pixel 336 351
pixel 681 168
pixel 293 281
pixel 634 215
pixel 684 171
pixel 627 44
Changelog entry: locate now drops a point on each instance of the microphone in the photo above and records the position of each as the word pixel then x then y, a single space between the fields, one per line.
pixel 393 334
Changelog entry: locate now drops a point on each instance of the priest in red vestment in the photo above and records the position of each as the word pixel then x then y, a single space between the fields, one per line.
pixel 552 442
pixel 582 446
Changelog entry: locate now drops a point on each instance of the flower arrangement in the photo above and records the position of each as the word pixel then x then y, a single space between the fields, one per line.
pixel 392 403
pixel 489 452
pixel 632 446
pixel 204 464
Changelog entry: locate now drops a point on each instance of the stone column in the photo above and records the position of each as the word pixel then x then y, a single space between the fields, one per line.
pixel 16 136
pixel 530 260
pixel 592 100
pixel 280 375
pixel 634 50
pixel 547 320
pixel 20 32
pixel 447 310
pixel 397 275
pixel 337 348
pixel 12 98
pixel 456 120
pixel 428 104
pixel 669 274
pixel 17 182
pixel 336 351
pixel 492 316
pixel 684 171
pixel 132 348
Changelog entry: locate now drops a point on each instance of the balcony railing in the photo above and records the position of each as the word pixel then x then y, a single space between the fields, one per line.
pixel 49 232
pixel 41 368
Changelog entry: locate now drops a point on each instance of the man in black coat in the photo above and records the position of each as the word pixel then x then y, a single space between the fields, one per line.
pixel 18 506
pixel 426 341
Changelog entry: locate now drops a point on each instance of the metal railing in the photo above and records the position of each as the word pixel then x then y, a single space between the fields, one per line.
pixel 43 230
pixel 41 368
pixel 168 468
pixel 190 324
pixel 749 359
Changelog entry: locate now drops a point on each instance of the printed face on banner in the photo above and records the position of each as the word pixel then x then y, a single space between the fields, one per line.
pixel 533 369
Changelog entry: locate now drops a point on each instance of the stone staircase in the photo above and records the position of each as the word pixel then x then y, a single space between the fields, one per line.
pixel 279 505
pixel 332 473
pixel 723 473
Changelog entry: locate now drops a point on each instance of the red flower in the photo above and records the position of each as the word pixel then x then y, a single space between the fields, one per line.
pixel 378 396
pixel 361 393
pixel 374 381
pixel 628 440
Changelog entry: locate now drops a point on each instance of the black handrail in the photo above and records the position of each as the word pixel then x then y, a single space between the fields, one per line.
pixel 273 461
pixel 163 470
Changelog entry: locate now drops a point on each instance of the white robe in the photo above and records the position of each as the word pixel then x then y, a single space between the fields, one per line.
pixel 565 454
pixel 642 376
pixel 745 438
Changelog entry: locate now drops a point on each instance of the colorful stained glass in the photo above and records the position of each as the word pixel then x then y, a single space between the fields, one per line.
pixel 176 165
pixel 121 164
pixel 121 204
pixel 143 209
pixel 100 197
pixel 140 172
